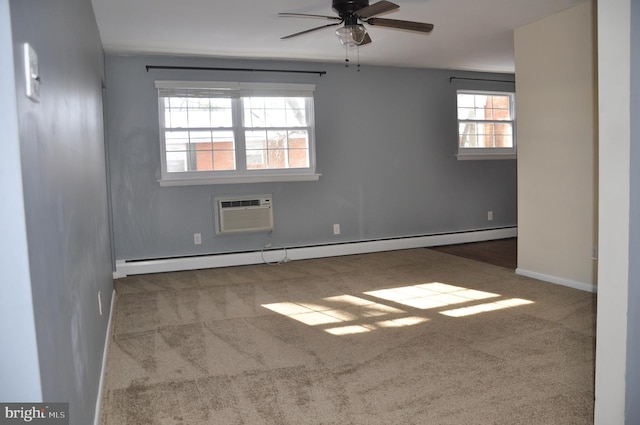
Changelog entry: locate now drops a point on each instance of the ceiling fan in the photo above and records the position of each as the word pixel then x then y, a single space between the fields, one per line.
pixel 352 13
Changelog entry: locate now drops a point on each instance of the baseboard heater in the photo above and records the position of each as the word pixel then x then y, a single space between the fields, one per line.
pixel 133 267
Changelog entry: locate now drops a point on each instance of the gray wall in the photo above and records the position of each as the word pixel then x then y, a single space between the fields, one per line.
pixel 19 372
pixel 62 158
pixel 385 141
pixel 633 323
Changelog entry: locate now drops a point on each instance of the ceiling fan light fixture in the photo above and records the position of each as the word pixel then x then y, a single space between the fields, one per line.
pixel 351 35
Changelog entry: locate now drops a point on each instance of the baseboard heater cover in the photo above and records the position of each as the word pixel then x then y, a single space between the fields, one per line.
pixel 126 268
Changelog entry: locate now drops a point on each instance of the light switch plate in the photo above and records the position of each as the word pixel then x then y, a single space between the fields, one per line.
pixel 31 73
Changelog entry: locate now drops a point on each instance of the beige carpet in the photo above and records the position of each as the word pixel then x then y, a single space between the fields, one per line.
pixel 404 337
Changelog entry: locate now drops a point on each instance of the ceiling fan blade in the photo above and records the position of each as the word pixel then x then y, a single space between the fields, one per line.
pixel 310 30
pixel 402 25
pixel 306 15
pixel 366 40
pixel 377 8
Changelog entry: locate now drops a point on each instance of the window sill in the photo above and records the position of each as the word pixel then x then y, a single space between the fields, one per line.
pixel 263 178
pixel 485 156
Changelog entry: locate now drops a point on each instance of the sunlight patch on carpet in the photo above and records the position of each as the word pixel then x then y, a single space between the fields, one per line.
pixel 430 295
pixel 482 308
pixel 349 314
pixel 337 309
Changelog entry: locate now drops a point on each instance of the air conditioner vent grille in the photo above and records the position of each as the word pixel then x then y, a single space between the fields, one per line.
pixel 240 203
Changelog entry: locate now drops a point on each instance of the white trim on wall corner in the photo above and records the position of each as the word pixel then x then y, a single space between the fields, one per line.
pixel 125 268
pixel 558 280
pixel 98 413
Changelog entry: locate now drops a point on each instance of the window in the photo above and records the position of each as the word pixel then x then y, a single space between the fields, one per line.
pixel 219 132
pixel 486 124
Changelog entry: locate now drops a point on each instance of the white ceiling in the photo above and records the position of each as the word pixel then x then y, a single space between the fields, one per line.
pixel 472 35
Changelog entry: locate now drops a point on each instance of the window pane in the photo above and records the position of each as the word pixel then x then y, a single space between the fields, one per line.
pixel 254 117
pixel 277 149
pixel 501 110
pixel 199 118
pixel 487 101
pixel 485 135
pixel 467 113
pixel 203 157
pixel 256 139
pixel 176 162
pixel 176 140
pixel 296 102
pixel 221 113
pixel 275 117
pixel 201 138
pixel 298 139
pixel 276 144
pixel 176 102
pixel 484 107
pixel 197 113
pixel 466 100
pixel 256 148
pixel 275 112
pixel 468 135
pixel 254 102
pixel 224 160
pixel 296 117
pixel 224 151
pixel 485 138
pixel 298 158
pixel 298 143
pixel 176 118
pixel 274 103
pixel 504 135
pixel 221 117
pixel 276 159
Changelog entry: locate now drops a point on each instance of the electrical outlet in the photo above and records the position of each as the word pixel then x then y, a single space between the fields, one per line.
pixel 336 229
pixel 197 238
pixel 489 215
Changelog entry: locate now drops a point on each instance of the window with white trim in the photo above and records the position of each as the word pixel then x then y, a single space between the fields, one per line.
pixel 486 125
pixel 221 132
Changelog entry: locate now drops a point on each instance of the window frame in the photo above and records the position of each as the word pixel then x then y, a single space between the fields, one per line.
pixel 487 153
pixel 236 91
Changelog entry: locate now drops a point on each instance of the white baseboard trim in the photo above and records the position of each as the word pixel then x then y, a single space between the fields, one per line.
pixel 588 287
pixel 126 268
pixel 103 371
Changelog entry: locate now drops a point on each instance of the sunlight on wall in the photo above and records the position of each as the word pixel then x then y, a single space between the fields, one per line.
pixel 349 314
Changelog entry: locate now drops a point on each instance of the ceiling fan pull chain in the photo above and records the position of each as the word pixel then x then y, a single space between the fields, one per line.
pixel 346 57
pixel 358 52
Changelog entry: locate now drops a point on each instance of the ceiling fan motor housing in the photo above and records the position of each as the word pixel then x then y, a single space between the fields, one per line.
pixel 348 6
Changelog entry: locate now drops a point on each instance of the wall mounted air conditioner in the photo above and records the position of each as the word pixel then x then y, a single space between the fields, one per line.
pixel 244 214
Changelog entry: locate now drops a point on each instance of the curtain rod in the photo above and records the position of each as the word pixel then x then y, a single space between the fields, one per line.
pixel 480 79
pixel 198 68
